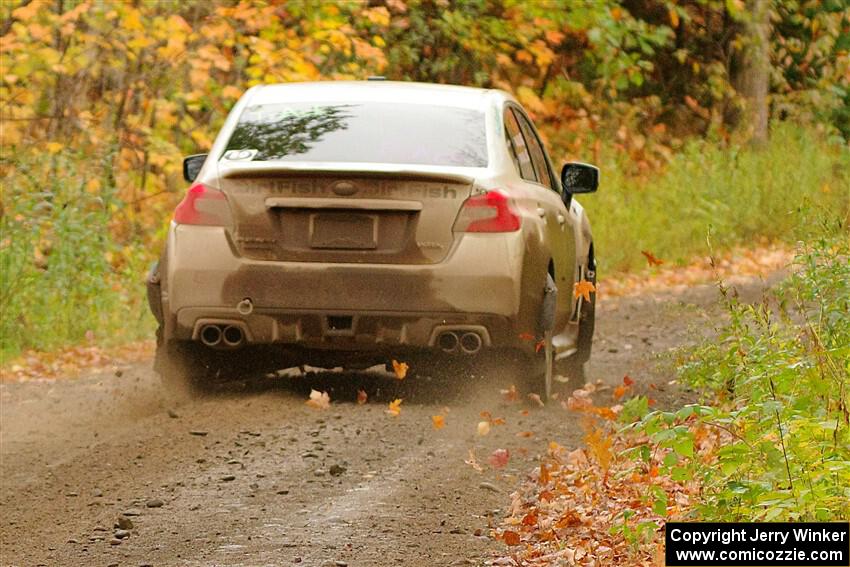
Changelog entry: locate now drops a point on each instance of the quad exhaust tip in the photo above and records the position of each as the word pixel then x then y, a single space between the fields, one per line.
pixel 470 343
pixel 222 336
pixel 232 336
pixel 211 335
pixel 448 341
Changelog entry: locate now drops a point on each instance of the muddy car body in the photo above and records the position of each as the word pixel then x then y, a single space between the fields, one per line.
pixel 346 223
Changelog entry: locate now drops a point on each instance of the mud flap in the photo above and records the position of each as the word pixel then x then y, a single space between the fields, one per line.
pixel 546 318
pixel 154 292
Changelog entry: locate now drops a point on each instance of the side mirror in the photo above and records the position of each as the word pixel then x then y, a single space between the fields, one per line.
pixel 192 166
pixel 579 177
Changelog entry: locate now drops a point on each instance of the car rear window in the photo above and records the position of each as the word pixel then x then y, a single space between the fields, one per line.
pixel 360 132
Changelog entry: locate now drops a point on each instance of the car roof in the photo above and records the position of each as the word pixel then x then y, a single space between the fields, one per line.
pixel 378 91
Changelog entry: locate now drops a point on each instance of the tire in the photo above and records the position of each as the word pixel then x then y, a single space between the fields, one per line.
pixel 181 368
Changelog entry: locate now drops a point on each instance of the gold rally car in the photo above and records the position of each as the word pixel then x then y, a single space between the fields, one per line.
pixel 353 223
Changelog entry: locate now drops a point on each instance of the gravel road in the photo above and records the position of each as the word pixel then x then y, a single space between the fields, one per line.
pixel 105 470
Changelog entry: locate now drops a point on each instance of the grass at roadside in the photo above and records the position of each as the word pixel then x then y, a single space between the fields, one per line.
pixel 744 195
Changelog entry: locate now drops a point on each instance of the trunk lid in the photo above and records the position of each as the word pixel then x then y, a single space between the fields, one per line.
pixel 343 214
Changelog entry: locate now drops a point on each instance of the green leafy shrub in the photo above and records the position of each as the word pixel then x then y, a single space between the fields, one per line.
pixel 65 277
pixel 779 381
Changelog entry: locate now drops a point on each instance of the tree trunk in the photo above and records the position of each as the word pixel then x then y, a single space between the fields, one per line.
pixel 752 71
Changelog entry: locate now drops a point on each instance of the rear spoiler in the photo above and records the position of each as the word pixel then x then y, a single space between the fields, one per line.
pixel 253 170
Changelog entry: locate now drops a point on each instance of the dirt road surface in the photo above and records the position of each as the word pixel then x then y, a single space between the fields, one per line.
pixel 250 475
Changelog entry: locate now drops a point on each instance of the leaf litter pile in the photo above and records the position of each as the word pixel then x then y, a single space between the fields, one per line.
pixel 596 505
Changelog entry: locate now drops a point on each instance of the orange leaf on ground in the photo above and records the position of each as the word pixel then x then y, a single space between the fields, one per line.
pixel 319 400
pixel 525 434
pixel 438 421
pixel 499 458
pixel 651 259
pixel 362 397
pixel 544 474
pixel 530 519
pixel 510 395
pixel 536 399
pixel 568 520
pixel 627 380
pixel 583 289
pixel 620 391
pixel 400 369
pixel 510 538
pixel 526 336
pixel 394 408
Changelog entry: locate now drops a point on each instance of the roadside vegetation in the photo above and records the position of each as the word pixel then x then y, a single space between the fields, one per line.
pixel 770 440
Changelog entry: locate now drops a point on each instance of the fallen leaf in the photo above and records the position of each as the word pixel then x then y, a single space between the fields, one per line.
pixel 319 400
pixel 473 462
pixel 438 421
pixel 483 428
pixel 536 399
pixel 525 434
pixel 627 380
pixel 583 289
pixel 568 520
pixel 510 538
pixel 394 408
pixel 362 397
pixel 400 369
pixel 544 474
pixel 577 458
pixel 651 259
pixel 526 336
pixel 620 391
pixel 510 395
pixel 530 519
pixel 499 458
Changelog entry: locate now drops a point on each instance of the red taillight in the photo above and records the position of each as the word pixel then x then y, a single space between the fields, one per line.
pixel 203 206
pixel 492 211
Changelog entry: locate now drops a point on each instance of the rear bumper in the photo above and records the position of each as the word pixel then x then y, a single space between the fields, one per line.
pixel 381 306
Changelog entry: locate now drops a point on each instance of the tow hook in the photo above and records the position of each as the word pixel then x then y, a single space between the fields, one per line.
pixel 245 307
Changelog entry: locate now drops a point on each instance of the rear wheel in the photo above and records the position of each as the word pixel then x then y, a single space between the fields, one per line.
pixel 187 368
